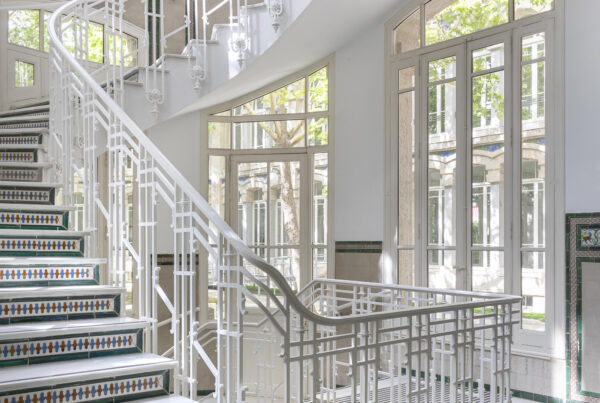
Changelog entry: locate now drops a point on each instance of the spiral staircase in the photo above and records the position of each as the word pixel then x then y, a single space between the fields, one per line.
pixel 65 335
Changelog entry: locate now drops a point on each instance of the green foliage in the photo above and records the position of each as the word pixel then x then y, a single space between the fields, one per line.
pixel 24 28
pixel 540 317
pixel 318 91
pixel 318 131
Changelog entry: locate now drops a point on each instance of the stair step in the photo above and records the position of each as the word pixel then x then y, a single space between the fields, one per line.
pixel 18 131
pixel 25 125
pixel 18 164
pixel 24 111
pixel 16 207
pixel 35 242
pixel 30 304
pixel 44 275
pixel 32 117
pixel 19 155
pixel 102 378
pixel 32 344
pixel 58 220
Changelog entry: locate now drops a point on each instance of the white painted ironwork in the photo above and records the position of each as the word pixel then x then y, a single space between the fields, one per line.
pixel 332 341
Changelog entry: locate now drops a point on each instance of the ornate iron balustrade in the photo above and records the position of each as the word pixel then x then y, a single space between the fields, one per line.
pixel 333 341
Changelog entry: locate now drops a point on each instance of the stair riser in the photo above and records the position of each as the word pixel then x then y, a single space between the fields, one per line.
pixel 27 196
pixel 24 139
pixel 41 246
pixel 107 389
pixel 47 276
pixel 18 156
pixel 59 308
pixel 25 125
pixel 21 174
pixel 71 347
pixel 34 220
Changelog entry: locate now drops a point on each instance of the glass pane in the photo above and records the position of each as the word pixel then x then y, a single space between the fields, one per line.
pixel 318 132
pixel 288 99
pixel 24 28
pixel 488 271
pixel 525 8
pixel 258 135
pixel 441 225
pixel 46 34
pixel 534 291
pixel 287 261
pixel 318 91
pixel 406 267
pixel 224 113
pixel 487 171
pixel 127 45
pixel 285 203
pixel 319 263
pixel 24 74
pixel 441 268
pixel 442 69
pixel 406 168
pixel 216 183
pixel 533 47
pixel 488 58
pixel 219 135
pixel 68 38
pixel 96 42
pixel 407 34
pixel 320 198
pixel 447 19
pixel 252 202
pixel 406 78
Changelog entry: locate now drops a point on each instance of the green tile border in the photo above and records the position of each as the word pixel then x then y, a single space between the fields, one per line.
pixel 358 247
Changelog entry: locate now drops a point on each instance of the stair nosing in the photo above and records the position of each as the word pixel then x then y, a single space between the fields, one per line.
pixel 20 184
pixel 35 207
pixel 48 260
pixel 27 232
pixel 34 130
pixel 75 373
pixel 10 293
pixel 30 109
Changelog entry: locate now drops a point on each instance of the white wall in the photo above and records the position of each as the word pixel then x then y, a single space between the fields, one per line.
pixel 582 62
pixel 360 138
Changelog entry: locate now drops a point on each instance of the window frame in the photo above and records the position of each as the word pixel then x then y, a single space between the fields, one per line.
pixel 218 114
pixel 551 342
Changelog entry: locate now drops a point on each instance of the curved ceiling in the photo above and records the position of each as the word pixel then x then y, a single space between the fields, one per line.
pixel 324 27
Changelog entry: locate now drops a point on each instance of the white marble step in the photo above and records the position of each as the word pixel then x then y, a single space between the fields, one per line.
pixel 60 291
pixel 31 109
pixel 5 147
pixel 35 207
pixel 24 118
pixel 33 130
pixel 25 164
pixel 67 327
pixel 30 233
pixel 28 261
pixel 15 184
pixel 79 371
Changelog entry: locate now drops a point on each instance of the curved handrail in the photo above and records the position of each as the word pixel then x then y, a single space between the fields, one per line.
pixel 203 206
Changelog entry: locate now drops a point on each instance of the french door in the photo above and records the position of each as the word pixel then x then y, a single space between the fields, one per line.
pixel 271 211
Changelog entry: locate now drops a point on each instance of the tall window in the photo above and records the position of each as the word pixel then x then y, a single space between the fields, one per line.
pixel 268 171
pixel 472 200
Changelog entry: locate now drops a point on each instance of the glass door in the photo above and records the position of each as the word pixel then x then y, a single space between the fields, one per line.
pixel 271 206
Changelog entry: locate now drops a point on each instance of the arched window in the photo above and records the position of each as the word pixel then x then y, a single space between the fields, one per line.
pixel 271 149
pixel 472 151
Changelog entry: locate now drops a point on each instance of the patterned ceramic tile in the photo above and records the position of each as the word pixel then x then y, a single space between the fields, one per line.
pixel 30 196
pixel 24 219
pixel 21 139
pixel 70 347
pixel 21 174
pixel 24 125
pixel 49 275
pixel 47 308
pixel 18 156
pixel 138 386
pixel 581 247
pixel 72 246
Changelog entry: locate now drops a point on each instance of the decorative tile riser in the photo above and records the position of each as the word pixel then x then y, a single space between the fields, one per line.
pixel 33 220
pixel 49 275
pixel 60 308
pixel 27 125
pixel 112 389
pixel 72 347
pixel 21 174
pixel 23 139
pixel 41 246
pixel 18 156
pixel 27 196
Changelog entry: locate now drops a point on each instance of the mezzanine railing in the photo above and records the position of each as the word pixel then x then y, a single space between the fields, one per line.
pixel 333 341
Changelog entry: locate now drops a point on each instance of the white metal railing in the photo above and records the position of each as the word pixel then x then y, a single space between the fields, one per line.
pixel 333 341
